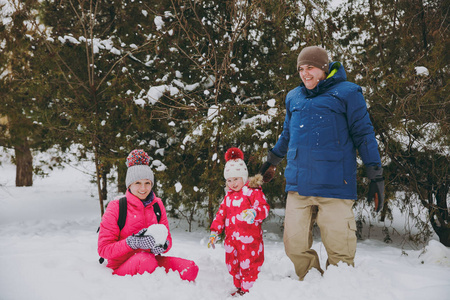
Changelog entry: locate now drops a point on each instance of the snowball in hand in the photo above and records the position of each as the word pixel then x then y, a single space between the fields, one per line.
pixel 159 232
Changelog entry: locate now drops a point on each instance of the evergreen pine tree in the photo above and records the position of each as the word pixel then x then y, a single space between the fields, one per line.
pixel 401 61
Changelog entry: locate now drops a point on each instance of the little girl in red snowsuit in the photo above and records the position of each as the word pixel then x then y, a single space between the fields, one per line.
pixel 136 249
pixel 241 214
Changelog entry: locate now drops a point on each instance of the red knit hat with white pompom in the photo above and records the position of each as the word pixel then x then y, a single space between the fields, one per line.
pixel 138 167
pixel 235 166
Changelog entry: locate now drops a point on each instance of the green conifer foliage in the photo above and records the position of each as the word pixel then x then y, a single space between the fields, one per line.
pixel 238 60
pixel 186 80
pixel 402 62
pixel 23 89
pixel 103 58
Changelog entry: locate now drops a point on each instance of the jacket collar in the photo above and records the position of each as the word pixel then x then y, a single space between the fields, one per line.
pixel 336 74
pixel 244 189
pixel 136 201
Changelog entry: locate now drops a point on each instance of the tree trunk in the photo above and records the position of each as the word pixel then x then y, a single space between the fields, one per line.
pixel 104 182
pixel 444 236
pixel 440 219
pixel 24 164
pixel 211 213
pixel 99 185
pixel 121 176
pixel 441 228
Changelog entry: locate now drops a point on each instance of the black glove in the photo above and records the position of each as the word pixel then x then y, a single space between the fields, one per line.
pixel 268 168
pixel 267 171
pixel 376 186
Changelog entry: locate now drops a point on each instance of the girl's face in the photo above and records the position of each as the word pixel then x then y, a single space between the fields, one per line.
pixel 235 183
pixel 141 188
pixel 310 75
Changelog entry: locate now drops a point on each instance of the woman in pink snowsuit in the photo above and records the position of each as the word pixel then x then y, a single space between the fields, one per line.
pixel 136 249
pixel 241 214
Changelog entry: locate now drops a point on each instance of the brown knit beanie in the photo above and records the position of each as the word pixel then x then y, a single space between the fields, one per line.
pixel 314 56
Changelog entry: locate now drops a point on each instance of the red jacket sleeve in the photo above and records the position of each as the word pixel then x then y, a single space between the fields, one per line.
pixel 218 224
pixel 259 204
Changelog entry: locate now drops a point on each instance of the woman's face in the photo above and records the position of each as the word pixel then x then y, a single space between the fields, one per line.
pixel 235 183
pixel 141 188
pixel 310 75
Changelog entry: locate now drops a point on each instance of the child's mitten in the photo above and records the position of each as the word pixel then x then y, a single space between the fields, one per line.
pixel 213 238
pixel 249 215
pixel 160 249
pixel 140 241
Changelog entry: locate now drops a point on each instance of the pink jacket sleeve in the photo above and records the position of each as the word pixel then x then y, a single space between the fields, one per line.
pixel 110 245
pixel 165 221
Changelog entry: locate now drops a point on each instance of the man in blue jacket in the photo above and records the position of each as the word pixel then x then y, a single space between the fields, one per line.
pixel 326 123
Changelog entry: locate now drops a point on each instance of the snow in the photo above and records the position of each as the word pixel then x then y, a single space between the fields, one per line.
pixel 159 22
pixel 422 71
pixel 69 38
pixel 48 251
pixel 271 102
pixel 157 164
pixel 213 112
pixel 178 187
pixel 156 92
pixel 158 232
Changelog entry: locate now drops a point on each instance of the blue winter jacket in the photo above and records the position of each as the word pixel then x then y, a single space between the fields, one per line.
pixel 322 130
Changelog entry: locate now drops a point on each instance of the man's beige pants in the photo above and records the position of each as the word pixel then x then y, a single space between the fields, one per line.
pixel 337 228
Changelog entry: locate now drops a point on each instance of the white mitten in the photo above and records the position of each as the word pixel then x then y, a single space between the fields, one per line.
pixel 159 232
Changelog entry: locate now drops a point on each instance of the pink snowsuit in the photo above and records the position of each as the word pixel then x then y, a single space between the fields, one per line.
pixel 122 258
pixel 244 248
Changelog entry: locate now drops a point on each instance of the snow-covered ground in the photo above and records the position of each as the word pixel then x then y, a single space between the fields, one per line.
pixel 48 250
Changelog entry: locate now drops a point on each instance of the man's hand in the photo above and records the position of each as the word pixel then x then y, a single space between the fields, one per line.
pixel 376 187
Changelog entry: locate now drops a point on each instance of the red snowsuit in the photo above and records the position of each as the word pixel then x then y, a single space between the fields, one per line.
pixel 121 257
pixel 244 248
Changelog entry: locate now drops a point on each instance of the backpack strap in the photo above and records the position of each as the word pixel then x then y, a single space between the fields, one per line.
pixel 157 211
pixel 122 212
pixel 121 220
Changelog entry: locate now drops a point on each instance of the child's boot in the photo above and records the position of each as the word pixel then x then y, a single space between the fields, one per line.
pixel 239 292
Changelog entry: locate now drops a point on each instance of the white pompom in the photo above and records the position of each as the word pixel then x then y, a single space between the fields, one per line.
pixel 159 232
